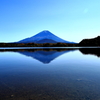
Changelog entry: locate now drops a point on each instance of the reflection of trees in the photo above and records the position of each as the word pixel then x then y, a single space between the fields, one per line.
pixel 94 51
pixel 33 50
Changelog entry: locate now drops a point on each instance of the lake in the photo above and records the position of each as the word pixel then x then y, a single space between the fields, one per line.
pixel 50 74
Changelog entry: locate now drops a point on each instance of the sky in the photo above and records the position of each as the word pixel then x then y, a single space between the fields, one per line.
pixel 71 20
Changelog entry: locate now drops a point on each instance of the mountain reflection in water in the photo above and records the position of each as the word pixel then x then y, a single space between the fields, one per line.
pixel 43 55
pixel 47 55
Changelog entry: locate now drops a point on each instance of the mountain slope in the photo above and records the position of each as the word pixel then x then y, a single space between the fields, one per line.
pixel 44 35
pixel 46 41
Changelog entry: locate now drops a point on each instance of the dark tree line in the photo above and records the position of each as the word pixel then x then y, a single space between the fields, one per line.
pixel 37 45
pixel 90 42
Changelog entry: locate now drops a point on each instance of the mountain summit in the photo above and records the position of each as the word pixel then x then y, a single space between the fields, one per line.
pixel 44 37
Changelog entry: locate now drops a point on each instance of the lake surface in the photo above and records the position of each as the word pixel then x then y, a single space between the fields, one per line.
pixel 50 74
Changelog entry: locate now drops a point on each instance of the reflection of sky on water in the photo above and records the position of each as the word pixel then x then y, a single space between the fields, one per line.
pixel 71 75
pixel 66 58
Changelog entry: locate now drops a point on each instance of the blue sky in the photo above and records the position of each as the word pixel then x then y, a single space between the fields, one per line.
pixel 72 20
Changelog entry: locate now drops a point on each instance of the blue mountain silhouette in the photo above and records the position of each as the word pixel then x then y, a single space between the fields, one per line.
pixel 44 37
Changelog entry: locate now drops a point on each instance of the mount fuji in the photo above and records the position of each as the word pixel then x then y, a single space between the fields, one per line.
pixel 44 37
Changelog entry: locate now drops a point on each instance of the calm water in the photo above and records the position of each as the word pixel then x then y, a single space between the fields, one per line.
pixel 50 74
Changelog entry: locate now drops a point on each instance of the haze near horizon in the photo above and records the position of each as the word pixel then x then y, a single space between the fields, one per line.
pixel 70 20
